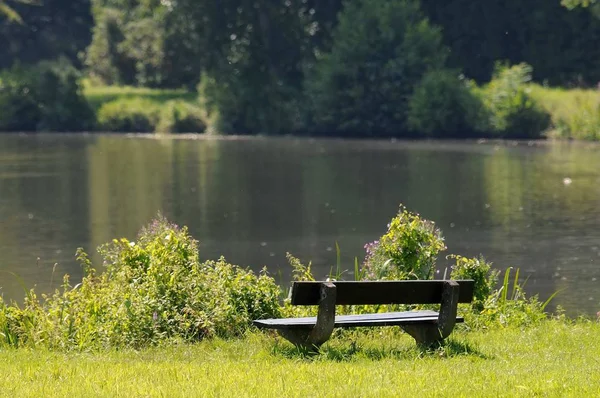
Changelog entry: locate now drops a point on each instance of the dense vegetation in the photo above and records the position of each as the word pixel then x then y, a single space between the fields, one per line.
pixel 156 290
pixel 402 68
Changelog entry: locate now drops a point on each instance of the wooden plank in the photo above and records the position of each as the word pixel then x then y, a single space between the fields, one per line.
pixel 348 321
pixel 380 292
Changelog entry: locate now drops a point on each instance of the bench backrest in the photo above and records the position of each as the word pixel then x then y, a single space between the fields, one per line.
pixel 380 292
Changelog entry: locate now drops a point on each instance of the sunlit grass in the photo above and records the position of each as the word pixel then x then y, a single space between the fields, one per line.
pixel 555 358
pixel 575 113
pixel 98 95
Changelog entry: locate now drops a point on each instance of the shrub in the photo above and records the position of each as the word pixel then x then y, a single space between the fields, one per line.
pixel 233 105
pixel 513 111
pixel 444 105
pixel 181 117
pixel 154 290
pixel 44 97
pixel 381 50
pixel 408 250
pixel 480 271
pixel 129 115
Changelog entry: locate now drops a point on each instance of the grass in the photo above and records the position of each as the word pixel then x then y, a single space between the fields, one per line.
pixel 556 358
pixel 99 95
pixel 575 113
pixel 141 109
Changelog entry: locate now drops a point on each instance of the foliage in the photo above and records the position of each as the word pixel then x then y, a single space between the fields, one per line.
pixel 592 5
pixel 480 271
pixel 232 100
pixel 575 113
pixel 444 105
pixel 45 97
pixel 132 44
pixel 407 251
pixel 143 114
pixel 153 291
pixel 514 113
pixel 181 117
pixel 7 11
pixel 380 51
pixel 122 115
pixel 50 29
pixel 97 95
pixel 300 272
pixel 481 33
pixel 254 54
pixel 583 124
pixel 502 308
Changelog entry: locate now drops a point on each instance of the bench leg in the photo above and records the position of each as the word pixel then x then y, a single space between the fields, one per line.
pixel 312 339
pixel 428 334
pixel 424 335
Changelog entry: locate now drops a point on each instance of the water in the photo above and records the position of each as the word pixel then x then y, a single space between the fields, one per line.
pixel 535 206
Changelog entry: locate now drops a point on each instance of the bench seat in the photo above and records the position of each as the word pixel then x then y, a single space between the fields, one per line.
pixel 426 327
pixel 349 321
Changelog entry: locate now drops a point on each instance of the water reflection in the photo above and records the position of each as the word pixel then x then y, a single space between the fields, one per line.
pixel 254 199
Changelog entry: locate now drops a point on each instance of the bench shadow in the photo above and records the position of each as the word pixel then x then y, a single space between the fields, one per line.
pixel 347 351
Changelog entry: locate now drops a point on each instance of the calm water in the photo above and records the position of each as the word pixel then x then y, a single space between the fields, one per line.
pixel 254 199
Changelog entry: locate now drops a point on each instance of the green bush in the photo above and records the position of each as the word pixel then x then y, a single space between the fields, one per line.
pixel 444 105
pixel 144 115
pixel 154 290
pixel 235 106
pixel 408 250
pixel 181 117
pixel 480 271
pixel 44 97
pixel 128 115
pixel 513 111
pixel 380 51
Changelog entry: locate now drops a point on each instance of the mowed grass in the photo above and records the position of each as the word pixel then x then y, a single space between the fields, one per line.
pixel 553 359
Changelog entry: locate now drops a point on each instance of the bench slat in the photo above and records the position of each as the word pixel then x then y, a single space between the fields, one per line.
pixel 346 321
pixel 380 292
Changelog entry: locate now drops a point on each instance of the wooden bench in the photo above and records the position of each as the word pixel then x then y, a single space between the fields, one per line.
pixel 426 327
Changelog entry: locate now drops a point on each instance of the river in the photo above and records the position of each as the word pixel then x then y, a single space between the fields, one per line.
pixel 528 205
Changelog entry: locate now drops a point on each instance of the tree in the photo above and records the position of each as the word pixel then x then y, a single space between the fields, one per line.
pixel 10 13
pixel 380 51
pixel 52 29
pixel 560 44
pixel 252 57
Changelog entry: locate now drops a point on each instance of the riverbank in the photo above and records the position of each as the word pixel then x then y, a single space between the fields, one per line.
pixel 574 113
pixel 556 358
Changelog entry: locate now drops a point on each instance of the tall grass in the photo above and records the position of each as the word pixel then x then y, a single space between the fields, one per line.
pixel 575 113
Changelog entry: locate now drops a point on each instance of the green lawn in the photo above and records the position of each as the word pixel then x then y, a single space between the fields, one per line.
pixel 553 359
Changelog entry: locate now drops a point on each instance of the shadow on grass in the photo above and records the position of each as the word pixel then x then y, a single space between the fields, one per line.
pixel 344 351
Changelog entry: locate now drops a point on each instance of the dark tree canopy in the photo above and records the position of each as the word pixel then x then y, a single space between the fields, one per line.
pixel 51 29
